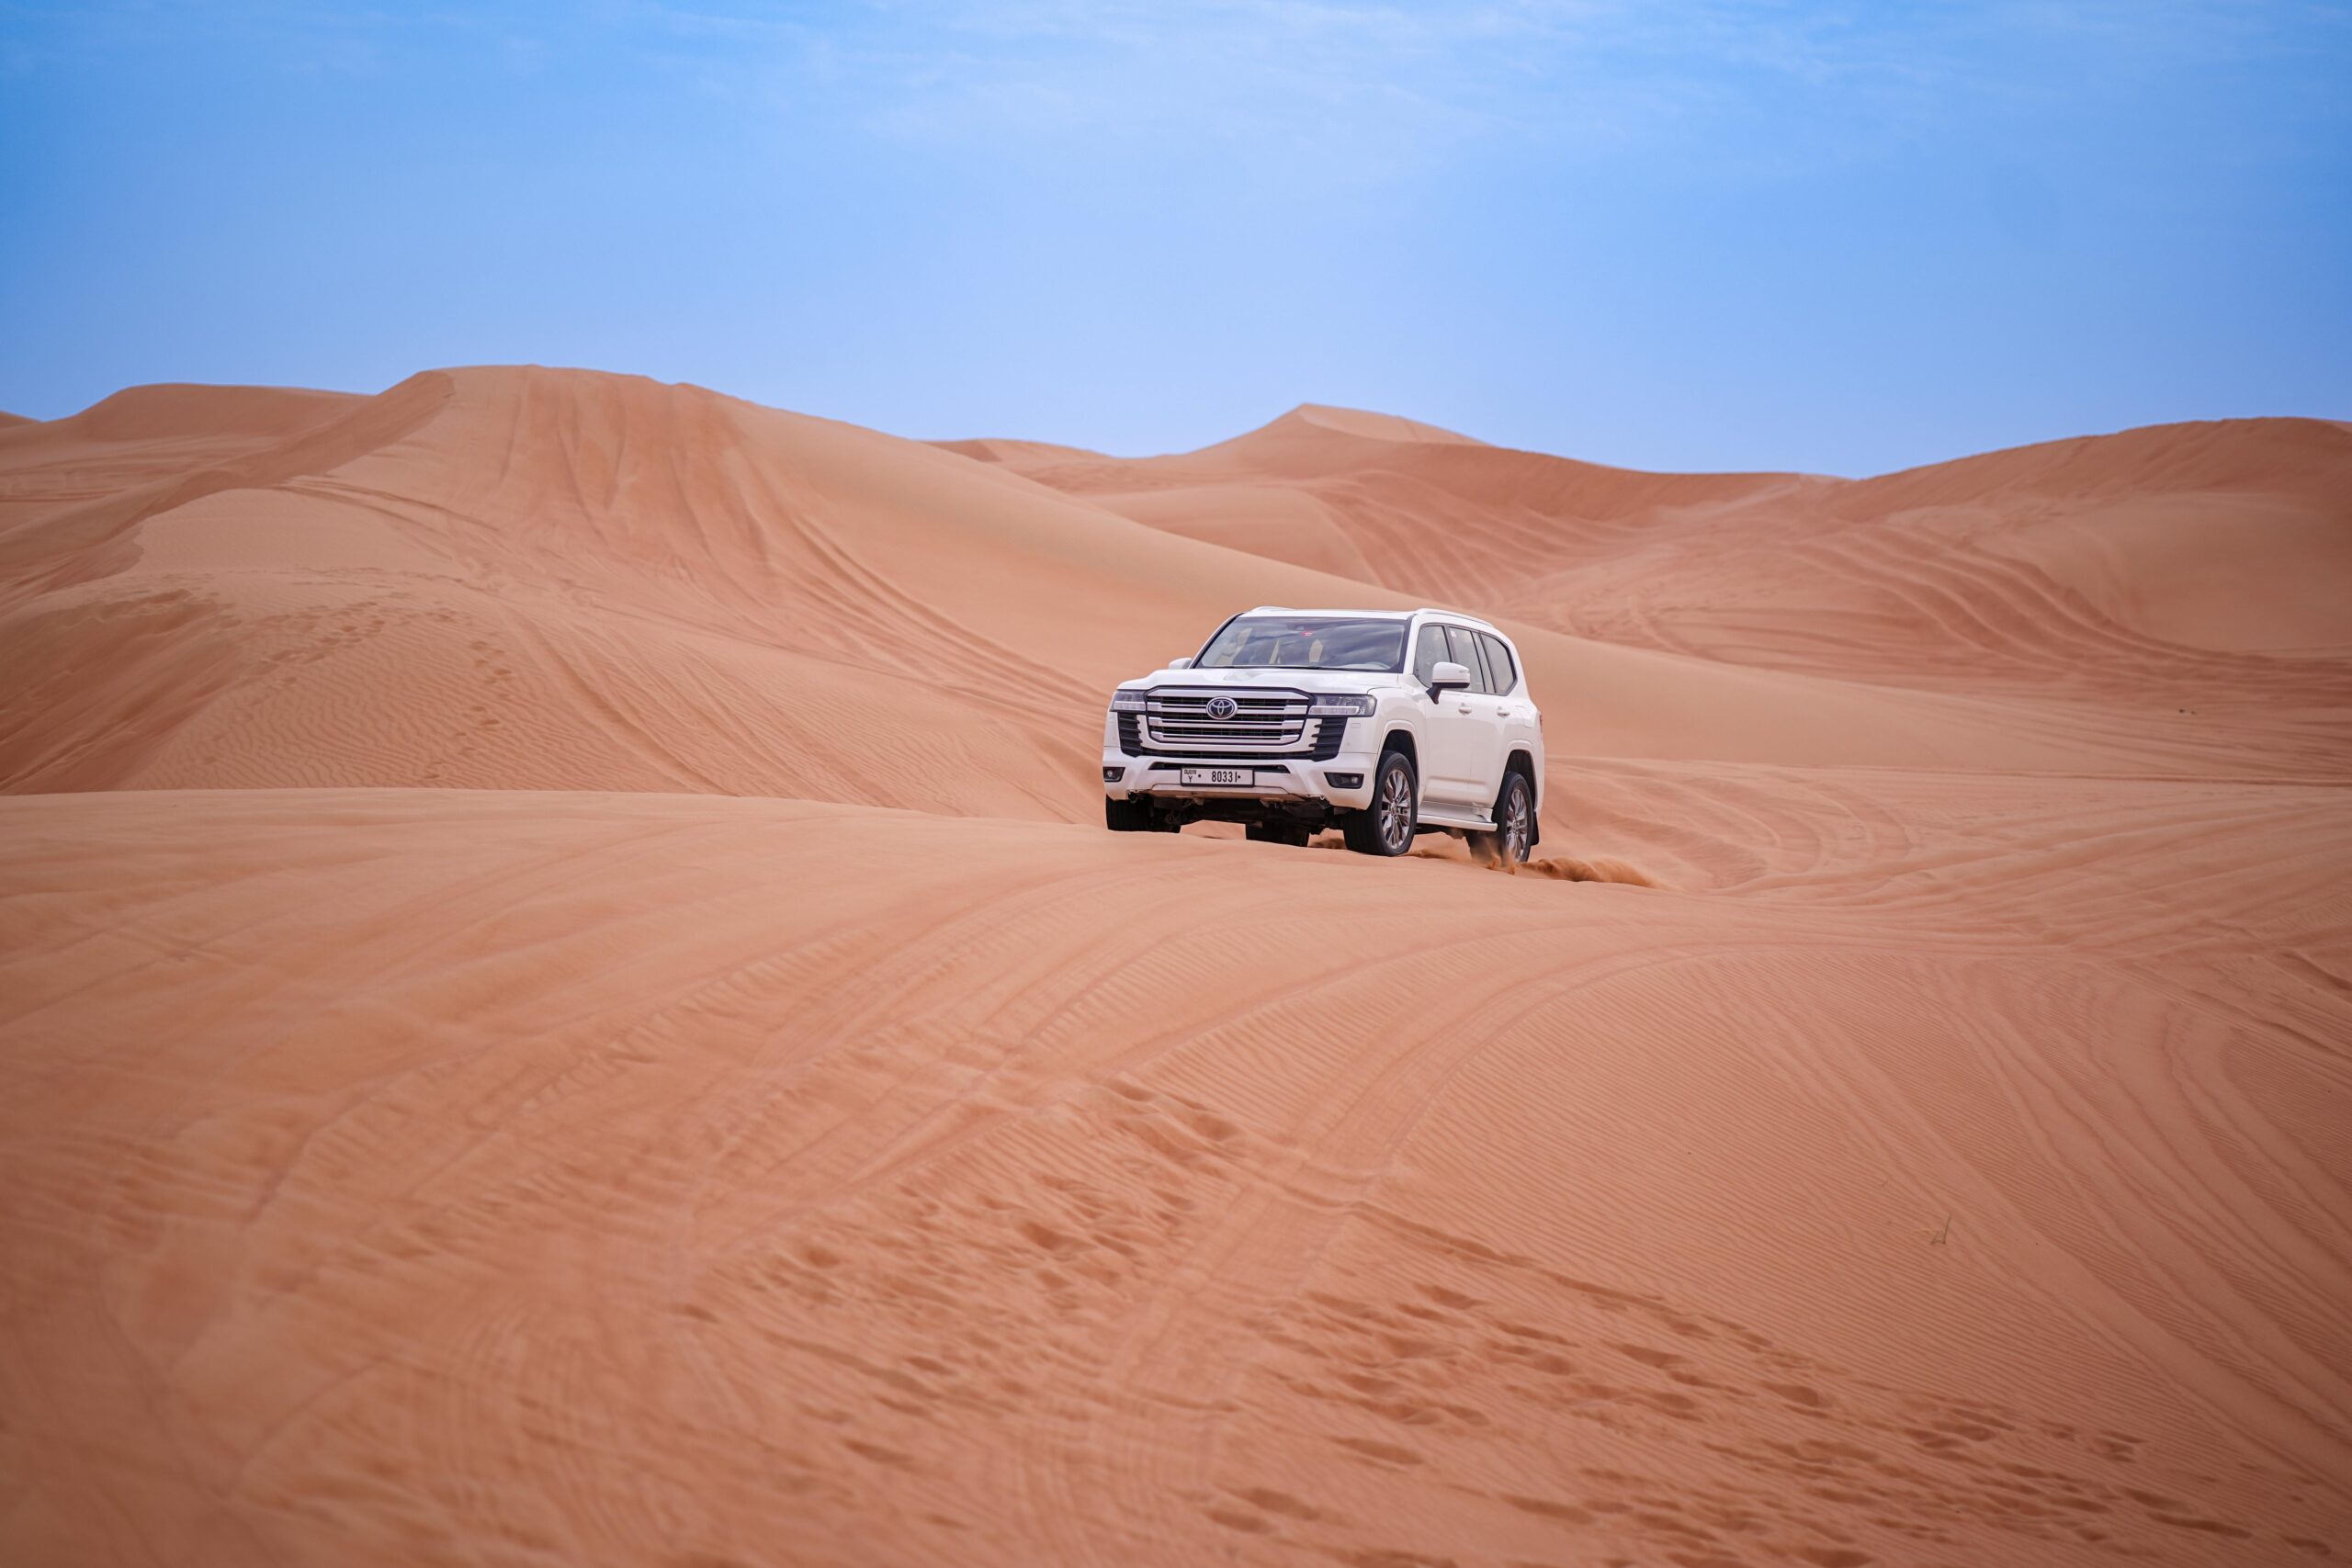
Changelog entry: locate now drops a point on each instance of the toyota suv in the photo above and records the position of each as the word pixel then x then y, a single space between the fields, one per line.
pixel 1382 723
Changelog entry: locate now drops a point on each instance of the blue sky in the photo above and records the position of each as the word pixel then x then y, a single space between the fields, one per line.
pixel 1701 235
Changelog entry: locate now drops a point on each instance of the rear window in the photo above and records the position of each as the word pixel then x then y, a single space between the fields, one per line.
pixel 1499 661
pixel 1304 642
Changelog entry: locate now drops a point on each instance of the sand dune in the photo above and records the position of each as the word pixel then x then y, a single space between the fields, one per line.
pixel 510 578
pixel 562 1001
pixel 2207 564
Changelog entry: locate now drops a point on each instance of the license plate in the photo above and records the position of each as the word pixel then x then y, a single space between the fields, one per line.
pixel 1220 777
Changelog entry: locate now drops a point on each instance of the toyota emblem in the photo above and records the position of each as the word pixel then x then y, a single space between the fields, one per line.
pixel 1222 707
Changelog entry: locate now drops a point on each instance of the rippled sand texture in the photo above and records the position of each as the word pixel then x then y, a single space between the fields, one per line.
pixel 563 999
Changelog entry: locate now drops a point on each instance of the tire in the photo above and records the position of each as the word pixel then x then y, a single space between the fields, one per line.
pixel 1292 833
pixel 1387 826
pixel 1514 833
pixel 1131 816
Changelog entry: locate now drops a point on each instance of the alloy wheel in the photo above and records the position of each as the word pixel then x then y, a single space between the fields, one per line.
pixel 1396 811
pixel 1516 825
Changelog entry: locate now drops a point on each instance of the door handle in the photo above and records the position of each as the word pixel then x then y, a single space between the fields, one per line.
pixel 1462 707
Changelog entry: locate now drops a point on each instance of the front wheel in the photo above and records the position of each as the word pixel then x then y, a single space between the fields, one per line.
pixel 1514 832
pixel 1387 829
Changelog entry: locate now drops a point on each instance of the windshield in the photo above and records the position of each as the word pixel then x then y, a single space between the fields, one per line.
pixel 1306 642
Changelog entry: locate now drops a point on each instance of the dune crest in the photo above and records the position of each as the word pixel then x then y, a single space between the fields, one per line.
pixel 1362 423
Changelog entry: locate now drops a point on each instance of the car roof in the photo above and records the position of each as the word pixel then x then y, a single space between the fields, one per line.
pixel 1378 614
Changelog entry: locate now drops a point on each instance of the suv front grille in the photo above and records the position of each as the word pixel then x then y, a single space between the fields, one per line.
pixel 1270 727
pixel 1268 721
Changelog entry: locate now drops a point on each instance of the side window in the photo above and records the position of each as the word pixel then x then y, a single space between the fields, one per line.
pixel 1499 663
pixel 1465 653
pixel 1428 652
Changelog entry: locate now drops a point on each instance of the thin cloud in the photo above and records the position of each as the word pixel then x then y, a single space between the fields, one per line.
pixel 1341 89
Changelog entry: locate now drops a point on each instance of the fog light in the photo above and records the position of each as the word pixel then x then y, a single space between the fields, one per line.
pixel 1344 781
pixel 1112 776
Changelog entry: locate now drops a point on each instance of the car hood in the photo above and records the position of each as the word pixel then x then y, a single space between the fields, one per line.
pixel 1288 680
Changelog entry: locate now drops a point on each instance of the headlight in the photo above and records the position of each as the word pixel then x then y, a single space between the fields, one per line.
pixel 1127 701
pixel 1341 707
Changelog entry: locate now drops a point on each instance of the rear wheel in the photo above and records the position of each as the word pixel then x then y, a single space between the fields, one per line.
pixel 1514 832
pixel 1294 834
pixel 1387 829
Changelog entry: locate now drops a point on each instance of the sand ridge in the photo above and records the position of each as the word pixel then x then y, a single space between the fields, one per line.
pixel 561 999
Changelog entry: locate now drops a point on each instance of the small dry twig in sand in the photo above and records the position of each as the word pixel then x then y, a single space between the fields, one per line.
pixel 1940 1237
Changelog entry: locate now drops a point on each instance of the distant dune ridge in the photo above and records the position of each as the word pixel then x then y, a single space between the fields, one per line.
pixel 563 1000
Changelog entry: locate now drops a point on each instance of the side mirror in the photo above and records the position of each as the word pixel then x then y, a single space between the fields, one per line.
pixel 1183 664
pixel 1449 677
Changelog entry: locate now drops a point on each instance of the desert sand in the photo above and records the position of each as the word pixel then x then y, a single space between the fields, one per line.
pixel 563 999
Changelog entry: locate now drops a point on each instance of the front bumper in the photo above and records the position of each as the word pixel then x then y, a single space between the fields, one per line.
pixel 1298 780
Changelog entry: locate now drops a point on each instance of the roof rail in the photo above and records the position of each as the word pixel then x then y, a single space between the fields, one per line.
pixel 1421 610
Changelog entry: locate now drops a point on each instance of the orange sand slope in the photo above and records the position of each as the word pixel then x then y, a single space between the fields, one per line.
pixel 562 1001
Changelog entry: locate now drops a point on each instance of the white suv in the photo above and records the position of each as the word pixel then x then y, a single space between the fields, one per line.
pixel 1385 723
